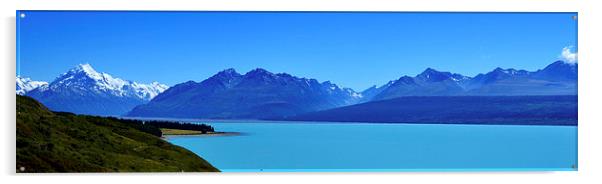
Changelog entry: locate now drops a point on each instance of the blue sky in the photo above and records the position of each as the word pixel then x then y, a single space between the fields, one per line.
pixel 354 50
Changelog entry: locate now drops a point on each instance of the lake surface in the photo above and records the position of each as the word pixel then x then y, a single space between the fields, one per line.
pixel 307 146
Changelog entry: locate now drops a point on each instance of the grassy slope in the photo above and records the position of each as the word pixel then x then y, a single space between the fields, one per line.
pixel 62 142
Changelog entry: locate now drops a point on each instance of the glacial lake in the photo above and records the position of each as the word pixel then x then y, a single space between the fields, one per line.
pixel 309 146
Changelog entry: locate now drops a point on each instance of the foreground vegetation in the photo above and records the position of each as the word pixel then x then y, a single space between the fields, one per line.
pixel 64 142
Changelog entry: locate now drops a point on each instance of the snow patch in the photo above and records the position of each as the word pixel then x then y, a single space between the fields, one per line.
pixel 85 78
pixel 25 85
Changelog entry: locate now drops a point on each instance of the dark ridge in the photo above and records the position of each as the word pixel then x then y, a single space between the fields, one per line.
pixel 504 110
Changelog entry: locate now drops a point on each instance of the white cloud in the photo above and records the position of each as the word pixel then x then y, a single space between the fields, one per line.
pixel 568 56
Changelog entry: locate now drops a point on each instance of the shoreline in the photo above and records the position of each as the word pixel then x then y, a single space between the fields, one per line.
pixel 209 134
pixel 209 121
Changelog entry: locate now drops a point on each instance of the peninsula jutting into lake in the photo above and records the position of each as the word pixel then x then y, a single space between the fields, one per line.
pixel 295 91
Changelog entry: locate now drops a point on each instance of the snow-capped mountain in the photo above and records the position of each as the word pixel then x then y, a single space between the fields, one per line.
pixel 85 78
pixel 256 94
pixel 25 85
pixel 84 90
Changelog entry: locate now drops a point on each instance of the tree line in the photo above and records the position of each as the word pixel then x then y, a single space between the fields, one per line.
pixel 154 126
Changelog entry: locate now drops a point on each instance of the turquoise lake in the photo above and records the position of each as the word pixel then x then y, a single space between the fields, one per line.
pixel 309 146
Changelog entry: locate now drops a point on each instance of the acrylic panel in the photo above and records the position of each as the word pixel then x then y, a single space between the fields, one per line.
pixel 196 91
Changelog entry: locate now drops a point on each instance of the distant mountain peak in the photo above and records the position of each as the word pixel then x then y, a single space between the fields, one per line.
pixel 497 74
pixel 405 80
pixel 258 71
pixel 433 75
pixel 502 71
pixel 84 77
pixel 228 77
pixel 510 72
pixel 25 85
pixel 86 69
pixel 229 71
pixel 227 74
pixel 566 62
pixel 562 63
pixel 405 77
pixel 558 71
pixel 429 70
pixel 260 74
pixel 82 89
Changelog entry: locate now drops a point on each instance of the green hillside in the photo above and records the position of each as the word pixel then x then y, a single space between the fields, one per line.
pixel 64 142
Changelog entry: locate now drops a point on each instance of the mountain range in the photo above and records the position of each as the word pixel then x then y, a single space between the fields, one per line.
pixel 256 94
pixel 558 78
pixel 260 94
pixel 83 90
